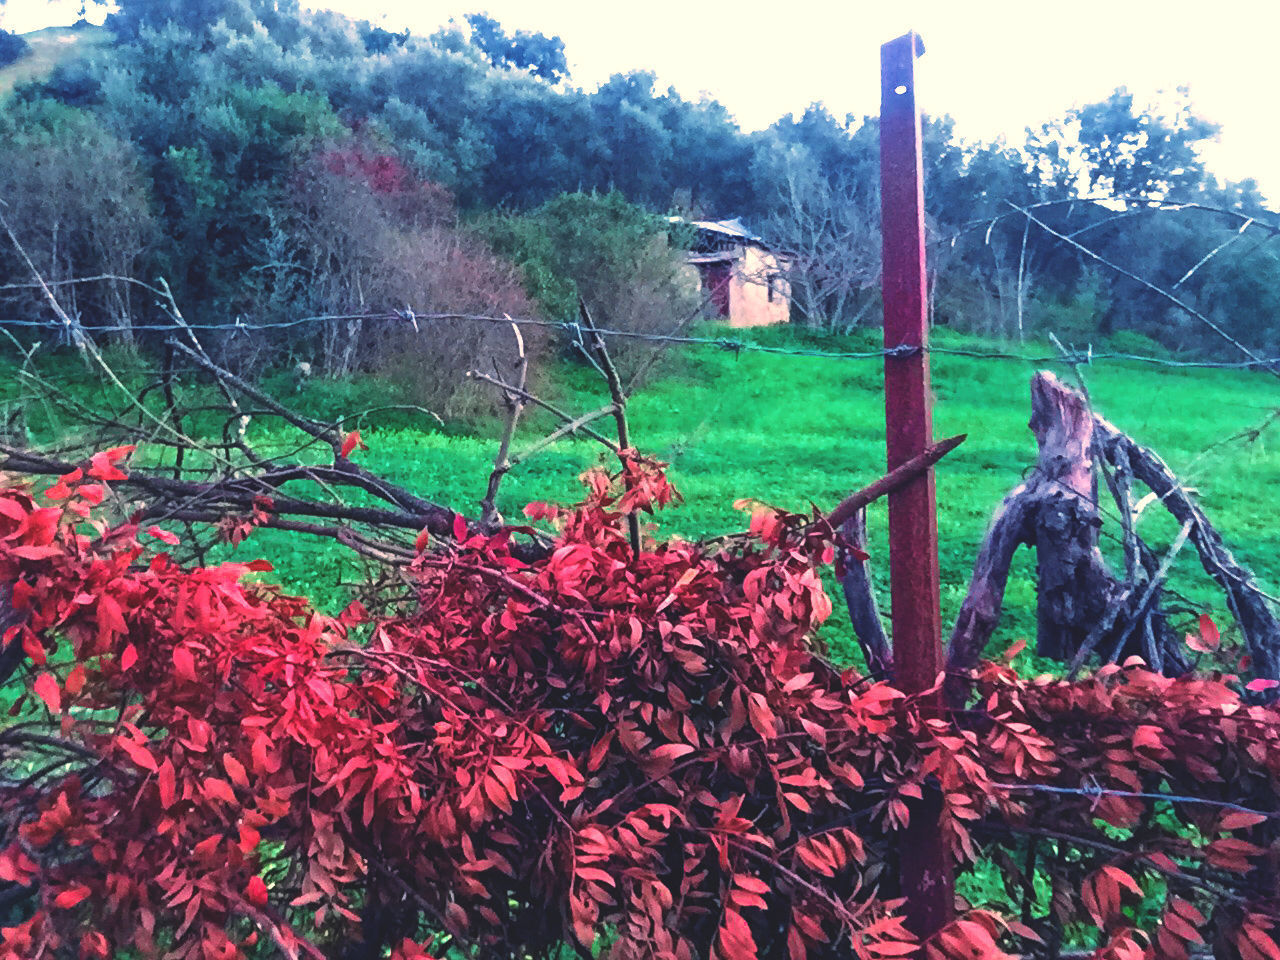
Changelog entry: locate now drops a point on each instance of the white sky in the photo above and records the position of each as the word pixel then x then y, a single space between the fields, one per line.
pixel 997 66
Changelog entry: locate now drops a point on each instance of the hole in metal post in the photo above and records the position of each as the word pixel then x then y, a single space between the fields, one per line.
pixel 900 89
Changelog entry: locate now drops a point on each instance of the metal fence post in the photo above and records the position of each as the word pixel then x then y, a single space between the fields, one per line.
pixel 925 867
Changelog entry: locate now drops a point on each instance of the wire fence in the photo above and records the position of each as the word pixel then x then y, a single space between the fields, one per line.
pixel 421 321
pixel 1097 793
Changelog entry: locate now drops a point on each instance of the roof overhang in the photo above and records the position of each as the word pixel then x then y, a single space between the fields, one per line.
pixel 723 256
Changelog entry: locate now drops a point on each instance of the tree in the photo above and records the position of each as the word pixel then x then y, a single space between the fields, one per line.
pixel 829 227
pixel 78 199
pixel 1117 148
pixel 198 17
pixel 12 47
pixel 818 178
pixel 537 53
pixel 378 40
pixel 614 255
pixel 362 238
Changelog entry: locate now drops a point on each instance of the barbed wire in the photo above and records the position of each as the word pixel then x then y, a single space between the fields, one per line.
pixel 731 344
pixel 1096 793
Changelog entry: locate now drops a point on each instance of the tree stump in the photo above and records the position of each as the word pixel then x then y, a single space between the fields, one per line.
pixel 1083 606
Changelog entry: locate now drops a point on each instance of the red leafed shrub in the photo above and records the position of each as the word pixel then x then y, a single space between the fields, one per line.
pixel 634 752
pixel 417 201
pixel 368 237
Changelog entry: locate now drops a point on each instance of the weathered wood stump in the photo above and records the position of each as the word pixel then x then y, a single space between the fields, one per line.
pixel 1084 608
pixel 1055 510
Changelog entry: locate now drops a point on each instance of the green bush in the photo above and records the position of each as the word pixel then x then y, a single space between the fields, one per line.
pixel 624 262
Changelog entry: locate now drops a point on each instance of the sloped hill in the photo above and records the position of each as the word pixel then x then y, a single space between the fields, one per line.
pixel 50 48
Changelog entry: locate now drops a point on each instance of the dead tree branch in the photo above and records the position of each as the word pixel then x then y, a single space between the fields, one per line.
pixel 515 403
pixel 1248 604
pixel 892 480
pixel 605 365
pixel 579 423
pixel 860 597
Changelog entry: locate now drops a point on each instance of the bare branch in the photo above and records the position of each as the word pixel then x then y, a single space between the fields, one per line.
pixel 1147 284
pixel 619 396
pixel 860 597
pixel 566 418
pixel 892 480
pixel 515 403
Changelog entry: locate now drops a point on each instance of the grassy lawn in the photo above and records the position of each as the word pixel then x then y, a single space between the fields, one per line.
pixel 798 430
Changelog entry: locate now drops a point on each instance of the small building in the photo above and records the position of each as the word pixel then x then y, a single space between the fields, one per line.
pixel 741 278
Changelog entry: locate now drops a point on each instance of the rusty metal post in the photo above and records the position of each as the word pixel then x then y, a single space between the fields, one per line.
pixel 925 867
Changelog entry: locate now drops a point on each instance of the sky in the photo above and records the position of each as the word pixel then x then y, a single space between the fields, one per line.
pixel 995 66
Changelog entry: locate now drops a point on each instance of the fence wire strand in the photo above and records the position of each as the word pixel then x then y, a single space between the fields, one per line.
pixel 419 321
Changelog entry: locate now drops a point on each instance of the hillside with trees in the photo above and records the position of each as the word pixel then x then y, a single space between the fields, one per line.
pixel 265 160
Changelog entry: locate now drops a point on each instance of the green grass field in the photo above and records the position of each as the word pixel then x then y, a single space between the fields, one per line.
pixel 798 430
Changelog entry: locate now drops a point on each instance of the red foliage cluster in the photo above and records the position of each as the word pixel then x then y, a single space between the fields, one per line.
pixel 641 748
pixel 383 172
pixel 362 164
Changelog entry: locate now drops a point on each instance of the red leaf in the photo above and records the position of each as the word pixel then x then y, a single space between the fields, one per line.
pixel 750 883
pixel 218 789
pixel 1260 684
pixel 1014 650
pixel 46 688
pixel 350 442
pixel 235 771
pixel 42 525
pixel 36 553
pixel 128 657
pixel 103 464
pixel 76 680
pixel 762 717
pixel 32 647
pixel 1122 879
pixel 735 938
pixel 459 527
pixel 184 664
pixel 138 753
pixel 1256 939
pixel 166 783
pixel 353 614
pixel 1239 820
pixel 1209 631
pixel 93 492
pixel 672 751
pixel 71 896
pixel 255 891
pixel 59 491
pixel 164 536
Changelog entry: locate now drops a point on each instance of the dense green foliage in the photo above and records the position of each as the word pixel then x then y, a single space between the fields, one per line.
pixel 607 252
pixel 220 104
pixel 12 47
